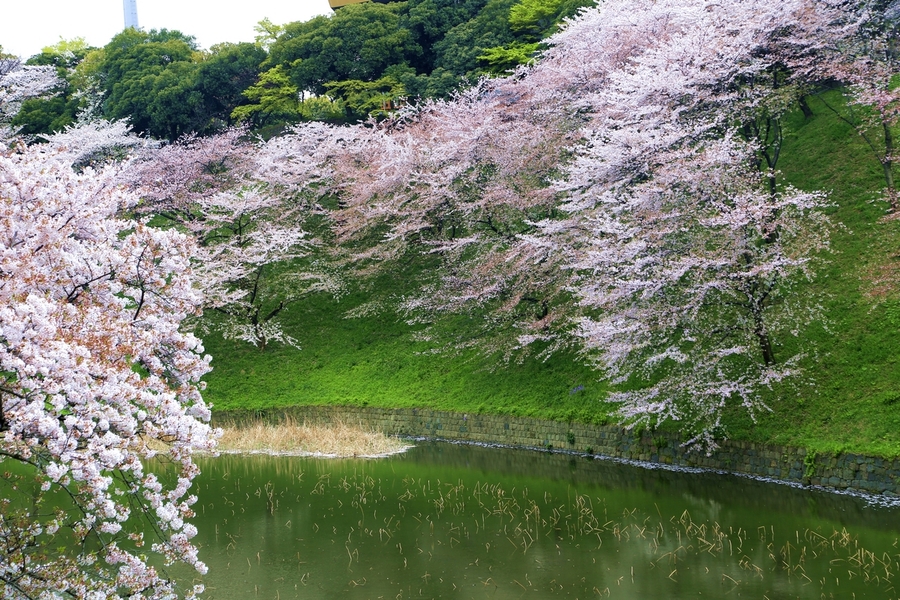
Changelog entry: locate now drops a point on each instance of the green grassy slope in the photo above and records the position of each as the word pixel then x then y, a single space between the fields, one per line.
pixel 852 398
pixel 375 362
pixel 848 398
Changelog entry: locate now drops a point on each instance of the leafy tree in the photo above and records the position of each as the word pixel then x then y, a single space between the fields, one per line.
pixel 45 115
pixel 534 17
pixel 177 106
pixel 267 33
pixel 134 52
pixel 272 99
pixel 150 78
pixel 65 54
pixel 440 83
pixel 430 20
pixel 323 108
pixel 530 21
pixel 502 59
pixel 358 42
pixel 166 88
pixel 460 48
pixel 363 99
pixel 224 74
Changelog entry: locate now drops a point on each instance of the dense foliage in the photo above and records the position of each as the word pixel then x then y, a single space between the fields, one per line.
pixel 345 67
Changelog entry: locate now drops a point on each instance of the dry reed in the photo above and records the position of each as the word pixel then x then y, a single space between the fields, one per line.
pixel 337 440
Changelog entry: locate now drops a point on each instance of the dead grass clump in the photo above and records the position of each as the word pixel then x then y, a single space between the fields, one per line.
pixel 337 439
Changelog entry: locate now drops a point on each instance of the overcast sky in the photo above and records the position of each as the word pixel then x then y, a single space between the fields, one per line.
pixel 26 26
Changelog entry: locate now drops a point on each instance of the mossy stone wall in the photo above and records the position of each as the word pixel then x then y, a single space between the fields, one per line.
pixel 842 471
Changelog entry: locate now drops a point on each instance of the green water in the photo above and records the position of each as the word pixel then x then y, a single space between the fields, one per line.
pixel 449 521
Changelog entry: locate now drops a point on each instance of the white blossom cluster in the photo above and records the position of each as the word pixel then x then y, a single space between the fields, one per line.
pixel 94 367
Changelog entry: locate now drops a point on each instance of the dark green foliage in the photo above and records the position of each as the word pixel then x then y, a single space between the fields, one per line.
pixel 272 100
pixel 432 48
pixel 364 98
pixel 430 20
pixel 358 42
pixel 225 74
pixel 133 53
pixel 458 52
pixel 45 115
pixel 533 17
pixel 151 80
pixel 166 88
pixel 530 21
pixel 505 58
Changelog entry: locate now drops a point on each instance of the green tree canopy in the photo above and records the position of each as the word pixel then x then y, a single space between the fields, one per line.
pixel 272 99
pixel 533 16
pixel 45 115
pixel 222 77
pixel 530 21
pixel 358 42
pixel 65 54
pixel 266 33
pixel 149 79
pixel 459 50
pixel 165 87
pixel 430 20
pixel 367 98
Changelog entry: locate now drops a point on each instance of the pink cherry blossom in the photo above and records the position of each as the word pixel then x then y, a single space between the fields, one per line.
pixel 94 366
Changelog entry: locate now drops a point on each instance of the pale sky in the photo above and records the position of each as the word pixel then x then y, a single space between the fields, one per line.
pixel 26 26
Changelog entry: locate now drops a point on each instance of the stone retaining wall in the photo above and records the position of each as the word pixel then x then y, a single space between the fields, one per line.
pixel 843 471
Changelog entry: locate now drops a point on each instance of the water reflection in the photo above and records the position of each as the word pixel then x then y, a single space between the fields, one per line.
pixel 451 521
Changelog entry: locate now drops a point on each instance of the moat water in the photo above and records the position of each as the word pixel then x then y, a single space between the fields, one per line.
pixel 455 521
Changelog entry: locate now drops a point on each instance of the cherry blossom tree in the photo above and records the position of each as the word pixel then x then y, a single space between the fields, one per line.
pixel 867 74
pixel 98 142
pixel 248 231
pixel 20 82
pixel 625 187
pixel 459 181
pixel 684 252
pixel 95 372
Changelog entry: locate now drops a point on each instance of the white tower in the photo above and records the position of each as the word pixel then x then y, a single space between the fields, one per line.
pixel 131 19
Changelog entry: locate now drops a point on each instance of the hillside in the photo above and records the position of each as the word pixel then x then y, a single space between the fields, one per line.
pixel 848 397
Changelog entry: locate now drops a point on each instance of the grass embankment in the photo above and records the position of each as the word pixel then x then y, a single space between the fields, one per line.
pixel 852 399
pixel 848 398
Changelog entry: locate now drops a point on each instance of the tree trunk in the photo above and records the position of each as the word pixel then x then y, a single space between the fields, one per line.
pixel 261 340
pixel 887 165
pixel 762 336
pixel 804 106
